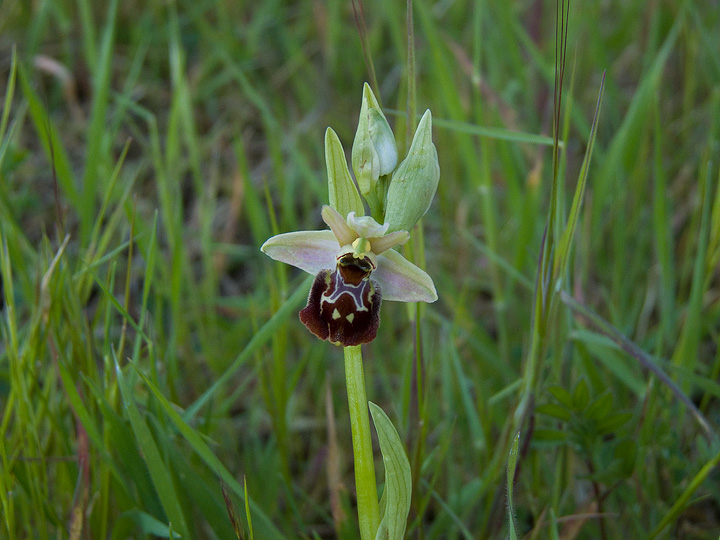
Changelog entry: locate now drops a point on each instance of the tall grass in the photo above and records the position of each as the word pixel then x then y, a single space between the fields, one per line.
pixel 150 355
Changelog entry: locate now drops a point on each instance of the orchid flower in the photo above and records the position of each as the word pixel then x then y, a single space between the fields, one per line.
pixel 355 268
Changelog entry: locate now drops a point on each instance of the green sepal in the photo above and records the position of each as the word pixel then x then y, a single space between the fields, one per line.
pixel 398 478
pixel 344 196
pixel 414 182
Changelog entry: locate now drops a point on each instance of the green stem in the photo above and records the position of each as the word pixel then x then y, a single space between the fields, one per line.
pixel 367 502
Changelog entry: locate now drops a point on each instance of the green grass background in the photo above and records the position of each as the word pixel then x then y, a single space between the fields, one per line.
pixel 151 354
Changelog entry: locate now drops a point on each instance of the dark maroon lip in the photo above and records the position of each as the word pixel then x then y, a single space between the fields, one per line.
pixel 344 304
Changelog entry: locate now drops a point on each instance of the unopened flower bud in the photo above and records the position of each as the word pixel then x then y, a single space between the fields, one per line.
pixel 374 152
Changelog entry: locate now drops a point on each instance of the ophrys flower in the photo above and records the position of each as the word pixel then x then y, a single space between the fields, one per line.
pixel 355 268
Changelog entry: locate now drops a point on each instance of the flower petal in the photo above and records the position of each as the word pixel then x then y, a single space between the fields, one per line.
pixel 310 251
pixel 332 218
pixel 365 226
pixel 383 243
pixel 402 281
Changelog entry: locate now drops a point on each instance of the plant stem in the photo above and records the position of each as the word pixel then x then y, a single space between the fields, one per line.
pixel 367 501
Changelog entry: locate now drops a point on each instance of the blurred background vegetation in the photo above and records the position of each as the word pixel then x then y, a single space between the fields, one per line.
pixel 150 354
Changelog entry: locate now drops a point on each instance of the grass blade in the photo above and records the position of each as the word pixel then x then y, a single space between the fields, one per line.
pixel 96 136
pixel 264 524
pixel 159 472
pixel 500 134
pixel 682 501
pixel 641 356
pixel 562 254
pixel 9 93
pixel 512 464
pixel 52 143
pixel 687 348
pixel 261 337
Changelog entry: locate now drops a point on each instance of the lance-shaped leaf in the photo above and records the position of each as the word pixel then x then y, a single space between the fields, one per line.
pixel 398 478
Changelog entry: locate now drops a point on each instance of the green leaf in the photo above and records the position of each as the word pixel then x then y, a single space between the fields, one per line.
pixel 605 350
pixel 613 422
pixel 600 407
pixel 247 509
pixel 344 196
pixel 398 478
pixel 562 395
pixel 554 410
pixel 581 395
pixel 626 454
pixel 643 358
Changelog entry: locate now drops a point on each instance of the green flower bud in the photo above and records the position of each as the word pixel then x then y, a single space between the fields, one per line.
pixel 374 152
pixel 344 196
pixel 414 182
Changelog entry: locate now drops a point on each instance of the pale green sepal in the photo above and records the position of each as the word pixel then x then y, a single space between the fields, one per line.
pixel 398 478
pixel 414 182
pixel 402 281
pixel 310 251
pixel 344 196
